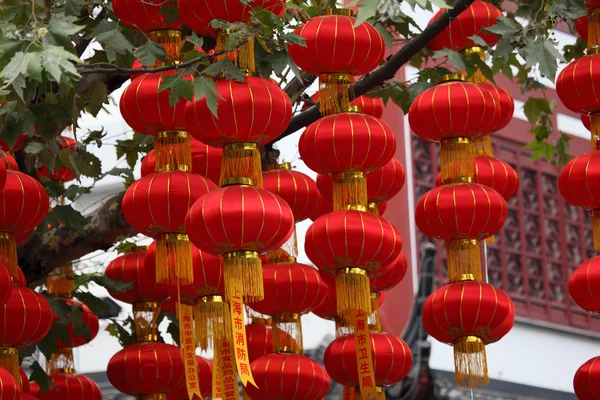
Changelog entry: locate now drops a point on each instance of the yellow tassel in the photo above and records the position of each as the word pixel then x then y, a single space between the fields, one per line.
pixel 593 38
pixel 61 362
pixel 349 189
pixel 245 396
pixel 464 260
pixel 241 160
pixel 8 253
pixel 174 259
pixel 212 320
pixel 334 93
pixel 170 40
pixel 374 320
pixel 173 151
pixel 279 256
pixel 470 362
pixel 145 317
pixel 596 228
pixel 158 396
pixel 247 267
pixel 373 208
pixel 491 239
pixel 60 282
pixel 380 393
pixel 456 160
pixel 482 146
pixel 349 393
pixel 246 57
pixel 477 77
pixel 287 334
pixel 9 360
pixel 595 131
pixel 222 37
pixel 352 292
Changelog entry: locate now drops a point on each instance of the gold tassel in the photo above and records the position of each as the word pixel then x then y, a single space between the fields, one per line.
pixel 279 256
pixel 8 253
pixel 374 320
pixel 470 362
pixel 145 317
pixel 60 282
pixel 456 160
pixel 464 260
pixel 491 239
pixel 352 292
pixel 477 77
pixel 9 360
pixel 173 151
pixel 174 259
pixel 170 40
pixel 596 228
pixel 331 86
pixel 247 267
pixel 593 39
pixel 349 189
pixel 373 208
pixel 61 362
pixel 222 37
pixel 381 393
pixel 246 57
pixel 241 160
pixel 287 334
pixel 595 131
pixel 212 320
pixel 482 146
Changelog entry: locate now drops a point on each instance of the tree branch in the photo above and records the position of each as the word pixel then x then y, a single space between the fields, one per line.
pixel 388 70
pixel 61 245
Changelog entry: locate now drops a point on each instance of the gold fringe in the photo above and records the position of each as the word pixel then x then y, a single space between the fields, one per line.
pixel 212 320
pixel 593 39
pixel 456 160
pixel 470 362
pixel 9 360
pixel 61 362
pixel 173 151
pixel 287 334
pixel 491 239
pixel 8 253
pixel 174 259
pixel 595 131
pixel 279 256
pixel 373 208
pixel 170 40
pixel 247 267
pixel 60 282
pixel 464 260
pixel 477 77
pixel 374 320
pixel 145 317
pixel 241 160
pixel 482 146
pixel 330 88
pixel 352 293
pixel 596 228
pixel 349 189
pixel 246 57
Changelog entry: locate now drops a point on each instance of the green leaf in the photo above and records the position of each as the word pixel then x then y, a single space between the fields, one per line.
pixel 66 158
pixel 114 42
pixel 96 96
pixel 196 40
pixel 59 63
pixel 70 217
pixel 205 87
pixel 178 87
pixel 39 376
pixel 114 286
pixel 385 34
pixel 505 26
pixel 61 28
pixel 15 71
pixel 541 149
pixel 149 52
pixel 226 69
pixel 366 10
pixel 544 53
pixel 478 40
pixel 96 305
pixel 292 38
pixel 87 163
pixel 115 329
pixel 456 59
pixel 74 191
pixel 534 107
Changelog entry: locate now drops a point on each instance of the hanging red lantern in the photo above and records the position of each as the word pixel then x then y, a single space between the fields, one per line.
pixel 469 315
pixel 27 396
pixel 336 242
pixel 62 173
pixel 461 214
pixel 348 146
pixel 505 103
pixel 9 388
pixel 8 161
pixel 577 185
pixel 388 277
pixel 581 26
pixel 471 22
pixel 24 205
pixel 260 340
pixel 372 106
pixel 156 206
pixel 18 143
pixel 204 380
pixel 24 381
pixel 147 368
pixel 584 285
pixel 328 308
pixel 284 376
pixel 6 284
pixel 3 171
pixel 586 382
pixel 392 359
pixel 329 52
pixel 88 319
pixel 69 387
pixel 206 161
pixel 385 183
pixel 251 113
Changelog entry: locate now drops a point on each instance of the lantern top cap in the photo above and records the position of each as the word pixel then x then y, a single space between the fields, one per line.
pixel 276 167
pixel 339 11
pixel 451 78
pixel 239 180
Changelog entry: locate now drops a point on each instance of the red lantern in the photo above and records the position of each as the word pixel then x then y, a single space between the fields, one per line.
pixel 88 319
pixel 3 169
pixel 469 315
pixel 336 243
pixel 328 308
pixel 146 368
pixel 27 396
pixel 330 51
pixel 471 22
pixel 296 188
pixel 584 285
pixel 206 161
pixel 8 161
pixel 392 359
pixel 9 388
pixel 586 382
pixel 6 284
pixel 323 207
pixel 145 15
pixel 239 223
pixel 581 26
pixel 461 214
pixel 18 144
pixel 386 182
pixel 260 340
pixel 288 376
pixel 251 113
pixel 24 381
pixel 388 277
pixel 372 106
pixel 62 173
pixel 69 387
pixel 505 103
pixel 204 382
pixel 577 185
